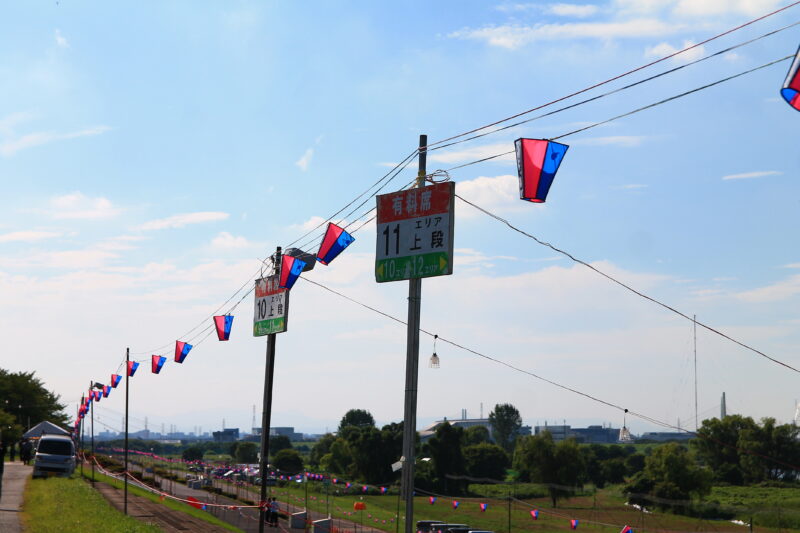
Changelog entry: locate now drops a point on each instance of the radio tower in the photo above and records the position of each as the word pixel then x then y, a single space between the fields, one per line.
pixel 253 425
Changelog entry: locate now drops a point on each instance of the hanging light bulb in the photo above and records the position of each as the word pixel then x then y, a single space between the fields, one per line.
pixel 434 363
pixel 624 434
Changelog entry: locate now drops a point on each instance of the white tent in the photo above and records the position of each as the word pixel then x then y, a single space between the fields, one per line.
pixel 44 428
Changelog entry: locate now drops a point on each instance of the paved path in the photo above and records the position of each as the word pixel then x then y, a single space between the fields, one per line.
pixel 15 477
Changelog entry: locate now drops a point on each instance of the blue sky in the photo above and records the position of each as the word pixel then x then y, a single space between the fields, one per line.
pixel 150 154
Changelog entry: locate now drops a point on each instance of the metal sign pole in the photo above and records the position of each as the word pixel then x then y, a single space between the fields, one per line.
pixel 127 388
pixel 266 413
pixel 412 366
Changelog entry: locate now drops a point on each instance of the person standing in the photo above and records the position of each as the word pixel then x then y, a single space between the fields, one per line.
pixel 274 508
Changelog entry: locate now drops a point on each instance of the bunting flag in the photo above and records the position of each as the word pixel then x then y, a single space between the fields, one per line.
pixel 348 485
pixel 181 351
pixel 223 324
pixel 537 163
pixel 132 366
pixel 364 488
pixel 157 363
pixel 573 523
pixel 484 506
pixel 335 241
pixel 455 504
pixel 115 379
pixel 335 480
pixel 106 391
pixel 291 268
pixel 535 514
pixel 791 87
pixel 383 490
pixel 626 529
pixel 432 500
pixel 98 395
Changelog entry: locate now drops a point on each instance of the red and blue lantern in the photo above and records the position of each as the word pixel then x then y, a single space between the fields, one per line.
pixel 335 241
pixel 537 163
pixel 132 367
pixel 455 504
pixel 573 523
pixel 157 363
pixel 484 506
pixel 791 87
pixel 181 351
pixel 106 391
pixel 115 379
pixel 223 324
pixel 291 268
pixel 364 488
pixel 535 514
pixel 432 500
pixel 383 490
pixel 627 529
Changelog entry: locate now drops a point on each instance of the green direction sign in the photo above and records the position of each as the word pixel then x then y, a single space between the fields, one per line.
pixel 415 233
pixel 271 307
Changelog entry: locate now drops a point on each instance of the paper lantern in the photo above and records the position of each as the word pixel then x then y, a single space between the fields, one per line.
pixel 383 490
pixel 223 324
pixel 432 500
pixel 537 163
pixel 115 379
pixel 573 524
pixel 455 504
pixel 335 241
pixel 348 485
pixel 291 268
pixel 626 529
pixel 106 391
pixel 791 87
pixel 132 367
pixel 98 395
pixel 157 363
pixel 484 506
pixel 335 480
pixel 359 506
pixel 364 488
pixel 535 514
pixel 181 351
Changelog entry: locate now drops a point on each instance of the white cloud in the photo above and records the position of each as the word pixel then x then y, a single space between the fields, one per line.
pixel 782 290
pixel 184 219
pixel 751 175
pixel 499 193
pixel 76 205
pixel 226 240
pixel 633 186
pixel 9 122
pixel 704 8
pixel 665 49
pixel 119 243
pixel 309 224
pixel 64 260
pixel 792 265
pixel 516 36
pixel 304 161
pixel 28 236
pixel 571 10
pixel 31 140
pixel 61 41
pixel 474 153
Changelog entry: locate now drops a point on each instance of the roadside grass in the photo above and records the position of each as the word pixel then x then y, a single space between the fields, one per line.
pixel 69 505
pixel 777 507
pixel 167 502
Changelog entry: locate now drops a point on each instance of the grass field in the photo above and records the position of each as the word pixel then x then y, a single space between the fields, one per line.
pixel 69 505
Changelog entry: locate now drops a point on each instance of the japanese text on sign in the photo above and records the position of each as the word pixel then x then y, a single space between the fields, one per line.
pixel 271 307
pixel 415 233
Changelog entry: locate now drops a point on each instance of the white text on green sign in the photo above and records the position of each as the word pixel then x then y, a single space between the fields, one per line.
pixel 271 307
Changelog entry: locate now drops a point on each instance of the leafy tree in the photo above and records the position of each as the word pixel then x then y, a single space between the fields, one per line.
pixel 485 461
pixel 444 449
pixel 358 418
pixel 476 435
pixel 671 475
pixel 769 445
pixel 634 463
pixel 561 466
pixel 506 423
pixel 278 443
pixel 338 459
pixel 322 447
pixel 24 397
pixel 192 453
pixel 288 460
pixel 247 453
pixel 717 446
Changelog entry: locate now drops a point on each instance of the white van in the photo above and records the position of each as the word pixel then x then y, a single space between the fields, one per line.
pixel 55 456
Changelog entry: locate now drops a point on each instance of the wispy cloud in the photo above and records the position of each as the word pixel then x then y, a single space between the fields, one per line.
pixel 184 219
pixel 782 290
pixel 792 265
pixel 558 9
pixel 227 241
pixel 632 186
pixel 28 236
pixel 516 36
pixel 474 153
pixel 11 147
pixel 626 141
pixel 665 49
pixel 304 161
pixel 751 175
pixel 61 41
pixel 77 205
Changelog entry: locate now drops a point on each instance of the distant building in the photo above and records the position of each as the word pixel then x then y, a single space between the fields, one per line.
pixel 665 436
pixel 588 435
pixel 466 423
pixel 285 431
pixel 226 435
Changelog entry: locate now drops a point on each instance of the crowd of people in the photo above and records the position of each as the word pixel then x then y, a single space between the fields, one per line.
pixel 26 450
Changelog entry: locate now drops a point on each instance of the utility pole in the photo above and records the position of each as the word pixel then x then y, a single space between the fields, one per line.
pixel 266 414
pixel 91 391
pixel 83 455
pixel 412 369
pixel 127 395
pixel 696 419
